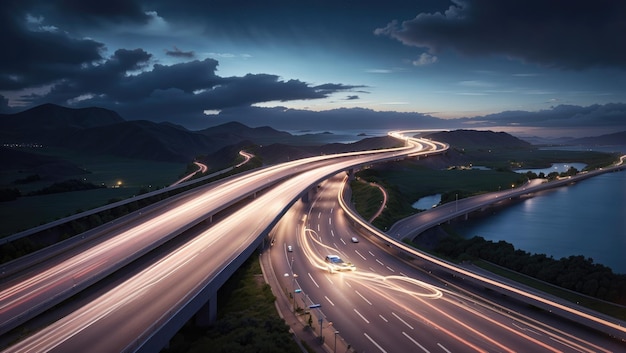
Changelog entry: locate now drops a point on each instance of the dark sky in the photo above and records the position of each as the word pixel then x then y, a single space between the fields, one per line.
pixel 185 61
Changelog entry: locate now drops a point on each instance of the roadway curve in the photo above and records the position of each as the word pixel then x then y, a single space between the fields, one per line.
pixel 390 305
pixel 177 273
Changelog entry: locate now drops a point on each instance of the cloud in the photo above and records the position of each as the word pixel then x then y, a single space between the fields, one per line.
pixel 568 35
pixel 177 53
pixel 425 59
pixel 607 115
pixel 181 93
pixel 36 55
pixel 110 11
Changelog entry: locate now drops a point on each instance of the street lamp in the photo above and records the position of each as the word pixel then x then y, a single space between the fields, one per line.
pixel 293 289
pixel 336 333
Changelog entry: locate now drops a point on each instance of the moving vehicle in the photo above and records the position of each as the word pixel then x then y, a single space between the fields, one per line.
pixel 336 264
pixel 354 239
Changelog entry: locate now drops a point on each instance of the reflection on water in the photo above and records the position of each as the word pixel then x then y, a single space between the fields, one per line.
pixel 555 167
pixel 427 202
pixel 586 218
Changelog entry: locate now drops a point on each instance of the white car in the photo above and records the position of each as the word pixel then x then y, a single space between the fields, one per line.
pixel 354 239
pixel 336 264
pixel 289 248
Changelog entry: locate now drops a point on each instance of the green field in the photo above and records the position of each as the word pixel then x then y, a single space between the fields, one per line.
pixel 134 175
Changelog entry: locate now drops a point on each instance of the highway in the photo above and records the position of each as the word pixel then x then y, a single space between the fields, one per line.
pixel 389 305
pixel 141 300
pixel 122 311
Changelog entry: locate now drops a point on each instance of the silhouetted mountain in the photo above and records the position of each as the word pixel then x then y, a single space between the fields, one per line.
pixel 618 138
pixel 236 132
pixel 474 139
pixel 278 152
pixel 143 140
pixel 49 123
pixel 101 131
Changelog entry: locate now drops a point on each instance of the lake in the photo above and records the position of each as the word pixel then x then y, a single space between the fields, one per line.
pixel 587 218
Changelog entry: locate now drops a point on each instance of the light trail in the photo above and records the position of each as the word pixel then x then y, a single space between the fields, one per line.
pixel 470 274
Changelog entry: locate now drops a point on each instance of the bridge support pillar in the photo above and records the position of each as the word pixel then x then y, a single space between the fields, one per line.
pixel 350 173
pixel 208 312
pixel 309 194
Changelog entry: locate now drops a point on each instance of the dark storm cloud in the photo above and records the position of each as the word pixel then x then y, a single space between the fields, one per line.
pixel 110 11
pixel 329 88
pixel 35 55
pixel 177 53
pixel 596 115
pixel 562 34
pixel 178 93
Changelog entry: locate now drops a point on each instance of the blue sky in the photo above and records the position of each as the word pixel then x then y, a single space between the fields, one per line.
pixel 185 61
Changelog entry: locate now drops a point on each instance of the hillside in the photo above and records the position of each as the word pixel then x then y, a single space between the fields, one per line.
pixel 100 131
pixel 48 124
pixel 143 140
pixel 618 138
pixel 474 140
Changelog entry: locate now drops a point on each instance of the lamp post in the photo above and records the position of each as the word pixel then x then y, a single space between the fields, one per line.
pixel 293 285
pixel 336 332
pixel 293 289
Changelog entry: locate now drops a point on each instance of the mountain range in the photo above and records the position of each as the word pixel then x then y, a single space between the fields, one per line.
pixel 104 132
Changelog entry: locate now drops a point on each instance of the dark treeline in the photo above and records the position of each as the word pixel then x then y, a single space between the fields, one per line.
pixel 575 273
pixel 67 186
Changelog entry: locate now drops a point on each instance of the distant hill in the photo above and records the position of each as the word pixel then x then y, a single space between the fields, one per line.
pixel 264 135
pixel 474 139
pixel 49 123
pixel 102 131
pixel 142 139
pixel 618 138
pixel 278 152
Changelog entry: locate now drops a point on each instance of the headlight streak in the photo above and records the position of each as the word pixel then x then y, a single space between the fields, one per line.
pixel 525 320
pixel 565 338
pixel 477 276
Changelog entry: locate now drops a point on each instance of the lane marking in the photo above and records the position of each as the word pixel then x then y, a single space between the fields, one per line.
pixel 374 342
pixel 371 253
pixel 390 269
pixel 380 262
pixel 416 343
pixel 330 221
pixel 348 284
pixel 332 233
pixel 382 317
pixel 331 303
pixel 311 277
pixel 444 348
pixel 319 215
pixel 362 317
pixel 361 295
pixel 344 243
pixel 358 253
pixel 404 322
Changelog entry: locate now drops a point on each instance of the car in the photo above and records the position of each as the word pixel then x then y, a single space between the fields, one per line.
pixel 289 248
pixel 336 264
pixel 354 239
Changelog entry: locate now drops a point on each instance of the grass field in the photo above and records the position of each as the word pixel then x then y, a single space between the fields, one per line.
pixel 134 175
